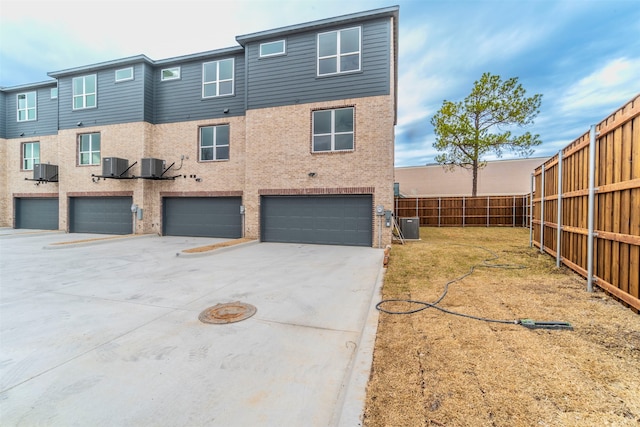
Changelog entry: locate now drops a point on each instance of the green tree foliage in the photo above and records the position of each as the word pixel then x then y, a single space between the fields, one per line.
pixel 467 130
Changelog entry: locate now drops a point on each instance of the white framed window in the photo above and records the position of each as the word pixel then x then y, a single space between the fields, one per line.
pixel 89 149
pixel 85 92
pixel 172 73
pixel 124 74
pixel 54 93
pixel 214 143
pixel 333 130
pixel 217 78
pixel 278 47
pixel 30 155
pixel 27 106
pixel 339 51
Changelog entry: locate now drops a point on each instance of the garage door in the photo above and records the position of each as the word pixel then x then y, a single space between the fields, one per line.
pixel 105 215
pixel 331 220
pixel 202 216
pixel 37 213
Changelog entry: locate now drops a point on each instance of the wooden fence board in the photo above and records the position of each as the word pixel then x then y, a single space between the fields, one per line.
pixel 617 204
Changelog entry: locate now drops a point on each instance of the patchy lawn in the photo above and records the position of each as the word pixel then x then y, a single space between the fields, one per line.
pixel 433 368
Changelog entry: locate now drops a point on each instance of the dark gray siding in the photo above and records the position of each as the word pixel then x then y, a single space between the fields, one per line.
pixel 181 100
pixel 121 102
pixel 149 87
pixel 46 122
pixel 292 79
pixel 3 115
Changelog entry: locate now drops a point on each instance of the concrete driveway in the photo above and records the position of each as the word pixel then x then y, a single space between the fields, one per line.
pixel 106 333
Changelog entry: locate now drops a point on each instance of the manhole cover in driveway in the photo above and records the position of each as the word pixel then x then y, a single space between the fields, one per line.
pixel 227 313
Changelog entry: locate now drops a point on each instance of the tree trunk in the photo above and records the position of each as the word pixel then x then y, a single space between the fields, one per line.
pixel 474 188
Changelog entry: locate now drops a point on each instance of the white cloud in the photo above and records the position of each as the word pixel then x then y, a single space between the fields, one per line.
pixel 607 87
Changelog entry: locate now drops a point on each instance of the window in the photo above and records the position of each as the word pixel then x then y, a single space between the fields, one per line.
pixel 272 48
pixel 339 51
pixel 333 130
pixel 84 92
pixel 89 153
pixel 54 93
pixel 217 78
pixel 214 143
pixel 30 155
pixel 124 74
pixel 26 106
pixel 170 74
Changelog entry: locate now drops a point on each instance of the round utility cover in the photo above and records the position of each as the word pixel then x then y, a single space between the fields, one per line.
pixel 227 313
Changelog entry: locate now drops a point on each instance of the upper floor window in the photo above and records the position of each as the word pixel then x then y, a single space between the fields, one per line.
pixel 30 155
pixel 272 48
pixel 333 130
pixel 124 74
pixel 339 51
pixel 217 78
pixel 89 149
pixel 85 93
pixel 214 143
pixel 26 106
pixel 54 93
pixel 170 74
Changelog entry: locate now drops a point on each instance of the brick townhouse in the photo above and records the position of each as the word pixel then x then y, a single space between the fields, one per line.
pixel 286 137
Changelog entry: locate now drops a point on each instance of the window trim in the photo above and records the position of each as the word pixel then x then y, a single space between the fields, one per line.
pixel 176 70
pixel 84 94
pixel 27 108
pixel 23 158
pixel 54 92
pixel 338 54
pixel 90 152
pixel 218 81
pixel 214 146
pixel 269 55
pixel 333 132
pixel 124 79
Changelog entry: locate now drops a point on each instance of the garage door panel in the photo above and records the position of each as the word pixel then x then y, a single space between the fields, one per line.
pixel 102 215
pixel 337 220
pixel 202 216
pixel 37 213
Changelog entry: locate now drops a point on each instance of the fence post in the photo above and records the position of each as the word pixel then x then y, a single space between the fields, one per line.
pixel 533 177
pixel 417 216
pixel 488 203
pixel 439 209
pixel 542 212
pixel 559 227
pixel 464 214
pixel 592 199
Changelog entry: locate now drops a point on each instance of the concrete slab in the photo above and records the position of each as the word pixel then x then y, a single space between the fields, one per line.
pixel 109 334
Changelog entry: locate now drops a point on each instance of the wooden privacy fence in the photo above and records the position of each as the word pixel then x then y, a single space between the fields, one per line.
pixel 490 211
pixel 586 205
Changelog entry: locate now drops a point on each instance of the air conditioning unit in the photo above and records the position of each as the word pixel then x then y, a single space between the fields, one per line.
pixel 152 168
pixel 45 172
pixel 410 228
pixel 114 166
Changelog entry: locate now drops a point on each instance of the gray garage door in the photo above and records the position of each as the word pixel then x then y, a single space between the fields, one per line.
pixel 202 216
pixel 37 213
pixel 331 220
pixel 105 215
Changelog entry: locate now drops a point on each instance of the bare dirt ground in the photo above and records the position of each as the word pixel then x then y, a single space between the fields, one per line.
pixel 432 368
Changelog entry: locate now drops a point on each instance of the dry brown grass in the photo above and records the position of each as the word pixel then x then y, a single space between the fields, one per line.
pixel 432 368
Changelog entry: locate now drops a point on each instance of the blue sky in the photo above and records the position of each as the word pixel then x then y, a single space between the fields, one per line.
pixel 583 56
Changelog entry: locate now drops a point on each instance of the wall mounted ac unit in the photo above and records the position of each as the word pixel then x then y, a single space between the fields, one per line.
pixel 114 166
pixel 45 172
pixel 152 168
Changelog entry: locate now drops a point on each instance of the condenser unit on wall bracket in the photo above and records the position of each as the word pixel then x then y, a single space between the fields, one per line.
pixel 115 168
pixel 154 169
pixel 44 172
